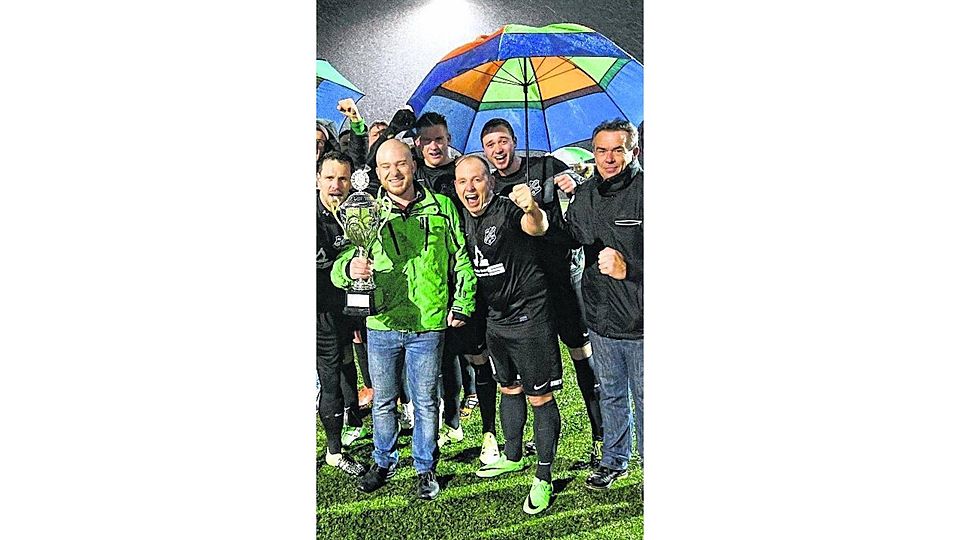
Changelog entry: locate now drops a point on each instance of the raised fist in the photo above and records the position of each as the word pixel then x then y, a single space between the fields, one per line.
pixel 565 183
pixel 349 109
pixel 521 196
pixel 611 263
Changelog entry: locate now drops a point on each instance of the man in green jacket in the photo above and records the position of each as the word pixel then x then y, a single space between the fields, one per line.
pixel 420 244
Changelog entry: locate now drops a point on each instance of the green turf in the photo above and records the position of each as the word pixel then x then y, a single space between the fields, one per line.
pixel 471 507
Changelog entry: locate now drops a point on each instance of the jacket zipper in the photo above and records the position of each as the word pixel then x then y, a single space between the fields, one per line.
pixel 426 231
pixel 393 236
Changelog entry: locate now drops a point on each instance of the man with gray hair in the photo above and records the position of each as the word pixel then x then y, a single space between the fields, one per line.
pixel 606 217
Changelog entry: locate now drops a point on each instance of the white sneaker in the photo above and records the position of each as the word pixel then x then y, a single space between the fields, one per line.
pixel 406 416
pixel 489 450
pixel 450 434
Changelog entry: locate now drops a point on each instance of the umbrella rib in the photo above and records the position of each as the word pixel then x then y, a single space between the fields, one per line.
pixel 551 70
pixel 497 78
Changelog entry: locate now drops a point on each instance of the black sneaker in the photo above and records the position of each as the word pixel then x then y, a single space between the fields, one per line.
pixel 603 477
pixel 427 486
pixel 376 477
pixel 596 453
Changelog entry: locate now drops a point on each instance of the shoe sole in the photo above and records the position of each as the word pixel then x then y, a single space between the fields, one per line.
pixel 430 497
pixel 498 472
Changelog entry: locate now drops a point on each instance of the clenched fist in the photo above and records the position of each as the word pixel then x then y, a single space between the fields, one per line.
pixel 611 263
pixel 349 109
pixel 360 268
pixel 521 196
pixel 565 183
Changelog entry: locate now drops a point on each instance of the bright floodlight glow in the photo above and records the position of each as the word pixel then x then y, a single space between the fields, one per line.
pixel 450 22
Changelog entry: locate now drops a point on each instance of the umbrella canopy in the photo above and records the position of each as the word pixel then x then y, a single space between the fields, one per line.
pixel 554 84
pixel 331 88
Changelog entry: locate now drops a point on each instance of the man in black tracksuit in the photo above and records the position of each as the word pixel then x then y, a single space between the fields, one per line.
pixel 335 367
pixel 554 251
pixel 606 217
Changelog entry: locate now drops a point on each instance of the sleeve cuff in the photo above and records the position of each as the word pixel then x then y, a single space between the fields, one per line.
pixel 359 127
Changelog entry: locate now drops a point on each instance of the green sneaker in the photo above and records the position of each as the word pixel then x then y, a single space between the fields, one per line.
pixel 502 466
pixel 350 435
pixel 539 498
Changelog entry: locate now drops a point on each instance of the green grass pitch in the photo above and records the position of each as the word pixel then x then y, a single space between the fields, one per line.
pixel 474 508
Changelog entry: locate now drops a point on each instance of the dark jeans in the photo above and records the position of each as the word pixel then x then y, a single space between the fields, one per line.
pixel 618 365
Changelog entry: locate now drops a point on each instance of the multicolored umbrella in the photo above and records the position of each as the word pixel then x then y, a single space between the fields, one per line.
pixel 331 88
pixel 553 83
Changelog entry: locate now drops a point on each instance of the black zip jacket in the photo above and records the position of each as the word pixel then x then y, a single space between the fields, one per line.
pixel 610 214
pixel 330 242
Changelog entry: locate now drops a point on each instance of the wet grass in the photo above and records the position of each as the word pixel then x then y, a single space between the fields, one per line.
pixel 472 507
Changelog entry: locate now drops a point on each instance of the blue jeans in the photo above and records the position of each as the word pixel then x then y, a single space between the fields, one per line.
pixel 618 364
pixel 387 351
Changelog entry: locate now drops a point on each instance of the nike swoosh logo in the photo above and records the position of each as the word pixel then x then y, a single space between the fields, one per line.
pixel 628 222
pixel 535 387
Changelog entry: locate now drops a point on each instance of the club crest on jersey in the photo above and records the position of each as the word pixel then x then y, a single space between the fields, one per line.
pixel 490 235
pixel 534 186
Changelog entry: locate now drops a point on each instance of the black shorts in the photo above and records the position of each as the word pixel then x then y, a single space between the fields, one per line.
pixel 333 340
pixel 527 354
pixel 467 339
pixel 567 313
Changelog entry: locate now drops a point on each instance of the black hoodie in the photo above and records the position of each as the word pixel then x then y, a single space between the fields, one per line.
pixel 609 213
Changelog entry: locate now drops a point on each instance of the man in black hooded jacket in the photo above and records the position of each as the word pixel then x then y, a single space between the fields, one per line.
pixel 606 217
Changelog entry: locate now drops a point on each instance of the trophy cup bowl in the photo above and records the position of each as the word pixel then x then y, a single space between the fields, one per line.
pixel 361 218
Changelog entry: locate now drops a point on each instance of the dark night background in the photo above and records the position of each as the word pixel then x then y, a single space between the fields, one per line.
pixel 387 48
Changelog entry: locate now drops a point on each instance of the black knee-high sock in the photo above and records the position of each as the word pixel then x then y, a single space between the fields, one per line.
pixel 360 349
pixel 348 385
pixel 590 389
pixel 546 431
pixel 332 425
pixel 487 396
pixel 513 415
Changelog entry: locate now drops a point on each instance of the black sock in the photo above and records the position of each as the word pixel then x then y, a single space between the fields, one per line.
pixel 487 397
pixel 513 415
pixel 360 349
pixel 332 425
pixel 590 389
pixel 546 431
pixel 450 384
pixel 348 386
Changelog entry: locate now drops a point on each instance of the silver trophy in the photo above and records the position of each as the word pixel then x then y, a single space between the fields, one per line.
pixel 361 216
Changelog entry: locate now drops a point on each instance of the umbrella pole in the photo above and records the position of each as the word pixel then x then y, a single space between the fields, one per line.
pixel 526 123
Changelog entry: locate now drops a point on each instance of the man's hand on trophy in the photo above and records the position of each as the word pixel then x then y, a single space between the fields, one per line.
pixel 348 108
pixel 360 268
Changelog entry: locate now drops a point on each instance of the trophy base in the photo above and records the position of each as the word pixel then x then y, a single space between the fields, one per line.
pixel 360 304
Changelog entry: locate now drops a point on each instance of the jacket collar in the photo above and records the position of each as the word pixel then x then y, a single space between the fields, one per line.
pixel 422 198
pixel 621 180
